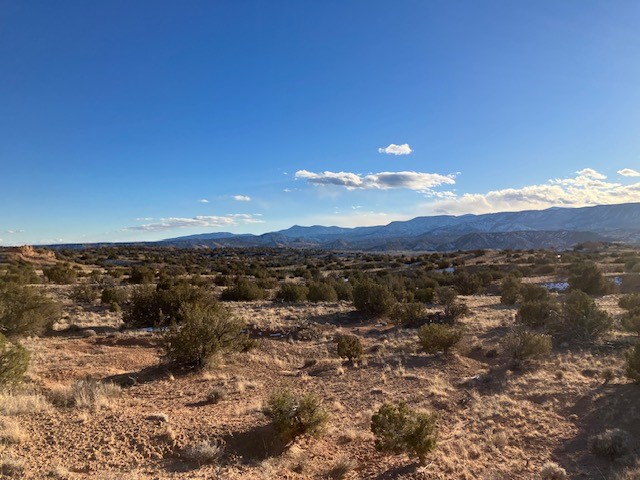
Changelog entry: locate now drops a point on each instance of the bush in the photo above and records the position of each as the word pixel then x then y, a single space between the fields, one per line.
pixel 445 295
pixel 632 364
pixel 322 292
pixel 527 345
pixel 14 361
pixel 61 274
pixel 160 306
pixel 243 291
pixel 630 302
pixel 538 313
pixel 293 416
pixel 206 330
pixel 373 299
pixel 612 443
pixel 350 347
pixel 586 276
pixel 25 311
pixel 400 429
pixel 510 290
pixel 111 295
pixel 84 294
pixel 424 295
pixel 142 275
pixel 455 310
pixel 534 293
pixel 582 318
pixel 290 292
pixel 22 273
pixel 409 314
pixel 436 337
pixel 344 290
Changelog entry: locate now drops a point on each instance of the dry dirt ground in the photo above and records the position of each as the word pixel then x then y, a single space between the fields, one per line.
pixel 494 423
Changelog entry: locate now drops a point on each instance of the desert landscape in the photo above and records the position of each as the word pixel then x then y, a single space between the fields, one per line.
pixel 103 397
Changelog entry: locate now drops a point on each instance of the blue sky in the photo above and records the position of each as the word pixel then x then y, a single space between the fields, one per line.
pixel 118 118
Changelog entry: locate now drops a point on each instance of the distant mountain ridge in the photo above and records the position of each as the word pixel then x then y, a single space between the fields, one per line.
pixel 555 227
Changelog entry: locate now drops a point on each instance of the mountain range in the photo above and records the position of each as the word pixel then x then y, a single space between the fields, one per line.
pixel 557 228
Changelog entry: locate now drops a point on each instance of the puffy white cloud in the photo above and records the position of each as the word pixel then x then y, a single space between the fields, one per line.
pixel 200 221
pixel 587 188
pixel 422 182
pixel 203 200
pixel 394 149
pixel 242 198
pixel 629 172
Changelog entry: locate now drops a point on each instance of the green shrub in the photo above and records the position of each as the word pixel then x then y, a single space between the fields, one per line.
pixel 243 291
pixel 291 292
pixel 437 337
pixel 455 310
pixel 534 293
pixel 538 313
pixel 586 276
pixel 206 330
pixel 409 314
pixel 322 292
pixel 61 274
pixel 582 318
pixel 445 295
pixel 400 429
pixel 632 364
pixel 373 299
pixel 112 295
pixel 26 311
pixel 467 284
pixel 448 297
pixel 142 275
pixel 21 273
pixel 14 361
pixel 510 290
pixel 526 345
pixel 630 302
pixel 613 443
pixel 84 294
pixel 293 416
pixel 344 290
pixel 350 347
pixel 424 295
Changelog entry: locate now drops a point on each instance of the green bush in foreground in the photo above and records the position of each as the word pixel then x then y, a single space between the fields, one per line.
pixel 373 299
pixel 290 292
pixel 243 291
pixel 408 314
pixel 26 311
pixel 14 361
pixel 322 292
pixel 632 364
pixel 293 416
pixel 206 330
pixel 437 337
pixel 527 345
pixel 400 429
pixel 350 347
pixel 582 318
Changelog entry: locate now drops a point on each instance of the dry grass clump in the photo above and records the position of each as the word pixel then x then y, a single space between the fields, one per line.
pixel 87 393
pixel 216 395
pixel 11 466
pixel 11 432
pixel 342 468
pixel 612 444
pixel 552 471
pixel 204 452
pixel 21 403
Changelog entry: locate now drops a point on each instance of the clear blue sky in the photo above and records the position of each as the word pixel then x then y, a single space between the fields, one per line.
pixel 118 118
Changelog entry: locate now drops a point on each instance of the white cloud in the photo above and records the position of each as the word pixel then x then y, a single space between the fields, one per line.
pixel 394 149
pixel 242 198
pixel 629 172
pixel 203 200
pixel 144 219
pixel 200 221
pixel 587 188
pixel 422 182
pixel 13 232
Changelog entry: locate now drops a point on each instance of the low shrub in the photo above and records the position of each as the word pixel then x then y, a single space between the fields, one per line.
pixel 373 299
pixel 534 293
pixel 510 290
pixel 526 345
pixel 61 274
pixel 632 364
pixel 409 314
pixel 400 429
pixel 538 313
pixel 14 361
pixel 206 330
pixel 84 294
pixel 291 292
pixel 630 302
pixel 243 291
pixel 586 276
pixel 26 311
pixel 142 275
pixel 112 295
pixel 350 347
pixel 322 292
pixel 436 337
pixel 293 415
pixel 582 319
pixel 612 444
